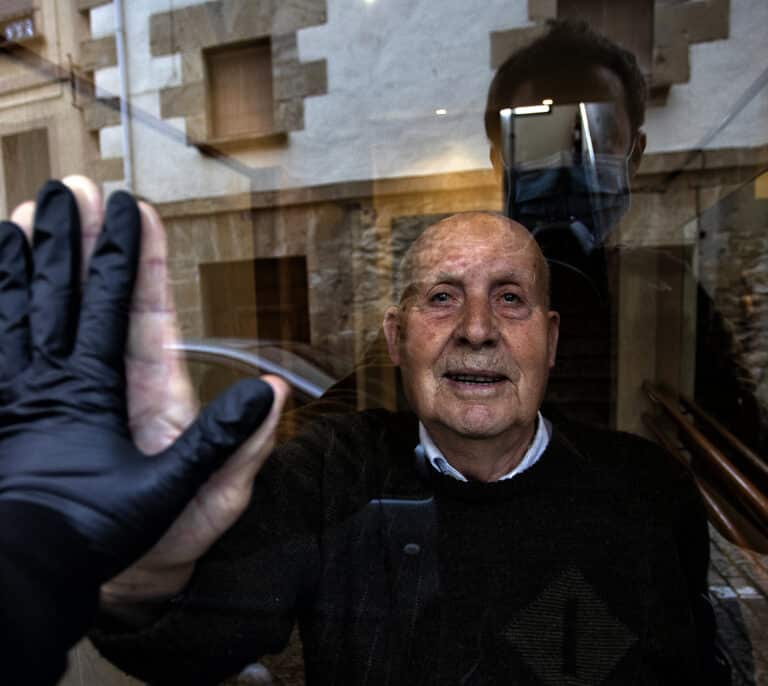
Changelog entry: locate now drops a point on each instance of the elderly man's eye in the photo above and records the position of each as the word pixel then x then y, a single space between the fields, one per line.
pixel 441 297
pixel 511 298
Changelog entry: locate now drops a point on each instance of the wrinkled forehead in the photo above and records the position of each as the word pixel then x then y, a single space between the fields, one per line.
pixel 474 246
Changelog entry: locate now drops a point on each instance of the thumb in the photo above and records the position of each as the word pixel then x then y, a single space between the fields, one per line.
pixel 218 431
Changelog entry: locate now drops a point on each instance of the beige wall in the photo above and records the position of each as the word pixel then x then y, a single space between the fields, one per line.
pixel 35 91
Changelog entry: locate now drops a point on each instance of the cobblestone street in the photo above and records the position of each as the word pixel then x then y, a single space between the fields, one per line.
pixel 738 582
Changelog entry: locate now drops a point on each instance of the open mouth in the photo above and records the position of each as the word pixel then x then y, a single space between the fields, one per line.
pixel 479 378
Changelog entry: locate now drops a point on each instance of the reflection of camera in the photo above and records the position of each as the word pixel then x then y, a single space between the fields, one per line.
pixel 565 172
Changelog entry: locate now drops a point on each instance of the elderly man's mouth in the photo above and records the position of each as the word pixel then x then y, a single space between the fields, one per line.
pixel 476 378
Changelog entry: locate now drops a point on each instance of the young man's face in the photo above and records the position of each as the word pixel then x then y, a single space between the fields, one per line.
pixel 473 337
pixel 593 84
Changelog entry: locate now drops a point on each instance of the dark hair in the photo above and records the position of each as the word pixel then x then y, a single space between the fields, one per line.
pixel 565 45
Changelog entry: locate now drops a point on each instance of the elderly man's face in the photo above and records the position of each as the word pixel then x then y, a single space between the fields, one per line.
pixel 473 337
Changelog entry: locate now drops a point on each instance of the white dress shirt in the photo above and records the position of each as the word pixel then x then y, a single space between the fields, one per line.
pixel 538 446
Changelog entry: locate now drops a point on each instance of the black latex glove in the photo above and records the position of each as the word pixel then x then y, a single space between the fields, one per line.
pixel 65 446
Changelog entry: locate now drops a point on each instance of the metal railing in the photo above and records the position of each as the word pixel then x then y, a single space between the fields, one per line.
pixel 733 480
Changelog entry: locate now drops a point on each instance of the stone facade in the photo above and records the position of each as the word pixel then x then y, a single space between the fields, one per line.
pixel 321 232
pixel 733 267
pixel 350 237
pixel 192 30
pixel 37 94
pixel 189 32
pixel 675 27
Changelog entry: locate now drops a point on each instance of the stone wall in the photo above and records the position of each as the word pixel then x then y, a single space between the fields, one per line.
pixel 322 232
pixel 733 266
pixel 191 30
pixel 351 234
pixel 386 80
pixel 34 94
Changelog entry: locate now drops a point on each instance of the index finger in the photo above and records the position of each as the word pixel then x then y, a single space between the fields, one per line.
pixel 90 207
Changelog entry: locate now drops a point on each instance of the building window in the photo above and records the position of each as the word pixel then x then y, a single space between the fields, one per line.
pixel 240 90
pixel 265 298
pixel 26 165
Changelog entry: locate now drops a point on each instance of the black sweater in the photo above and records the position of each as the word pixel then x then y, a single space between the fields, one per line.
pixel 589 568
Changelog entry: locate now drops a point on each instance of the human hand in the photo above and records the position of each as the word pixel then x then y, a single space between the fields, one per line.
pixel 161 401
pixel 65 445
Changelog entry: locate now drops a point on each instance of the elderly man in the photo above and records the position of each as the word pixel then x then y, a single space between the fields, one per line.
pixel 469 542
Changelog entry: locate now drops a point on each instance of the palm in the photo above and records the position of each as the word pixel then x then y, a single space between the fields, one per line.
pixel 162 403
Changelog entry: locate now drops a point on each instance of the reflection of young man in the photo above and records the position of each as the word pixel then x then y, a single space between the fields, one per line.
pixel 572 64
pixel 470 541
pixel 574 198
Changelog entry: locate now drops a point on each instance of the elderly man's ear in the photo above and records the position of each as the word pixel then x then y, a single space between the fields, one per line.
pixel 392 333
pixel 553 334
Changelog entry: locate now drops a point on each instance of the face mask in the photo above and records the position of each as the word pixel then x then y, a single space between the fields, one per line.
pixel 586 200
pixel 566 175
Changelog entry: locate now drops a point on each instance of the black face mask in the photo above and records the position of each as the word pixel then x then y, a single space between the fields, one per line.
pixel 584 199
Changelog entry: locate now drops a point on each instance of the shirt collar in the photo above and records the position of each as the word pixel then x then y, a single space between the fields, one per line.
pixel 535 450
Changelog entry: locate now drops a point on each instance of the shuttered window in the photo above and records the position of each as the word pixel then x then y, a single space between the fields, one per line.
pixel 26 165
pixel 240 90
pixel 264 298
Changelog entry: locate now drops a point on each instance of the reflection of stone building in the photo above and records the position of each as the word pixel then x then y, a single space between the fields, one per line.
pixel 290 147
pixel 295 148
pixel 41 131
pixel 733 271
pixel 346 235
pixel 672 211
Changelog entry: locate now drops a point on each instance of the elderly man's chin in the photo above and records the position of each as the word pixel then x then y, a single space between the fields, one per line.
pixel 481 418
pixel 481 422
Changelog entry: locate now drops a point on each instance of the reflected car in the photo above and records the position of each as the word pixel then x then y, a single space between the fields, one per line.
pixel 308 370
pixel 214 364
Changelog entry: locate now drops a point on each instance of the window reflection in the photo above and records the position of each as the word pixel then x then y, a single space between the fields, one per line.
pixel 295 151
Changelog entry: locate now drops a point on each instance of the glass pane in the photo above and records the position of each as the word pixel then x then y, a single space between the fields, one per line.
pixel 334 178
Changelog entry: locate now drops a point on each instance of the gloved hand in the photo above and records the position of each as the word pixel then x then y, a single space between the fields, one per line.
pixel 65 446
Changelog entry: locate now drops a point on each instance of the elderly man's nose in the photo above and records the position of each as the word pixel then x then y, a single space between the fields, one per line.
pixel 478 326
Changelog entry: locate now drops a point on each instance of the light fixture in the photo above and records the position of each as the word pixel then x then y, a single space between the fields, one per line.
pixel 547 101
pixel 532 109
pixel 440 111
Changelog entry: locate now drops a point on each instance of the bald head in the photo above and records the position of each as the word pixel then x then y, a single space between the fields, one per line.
pixel 469 229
